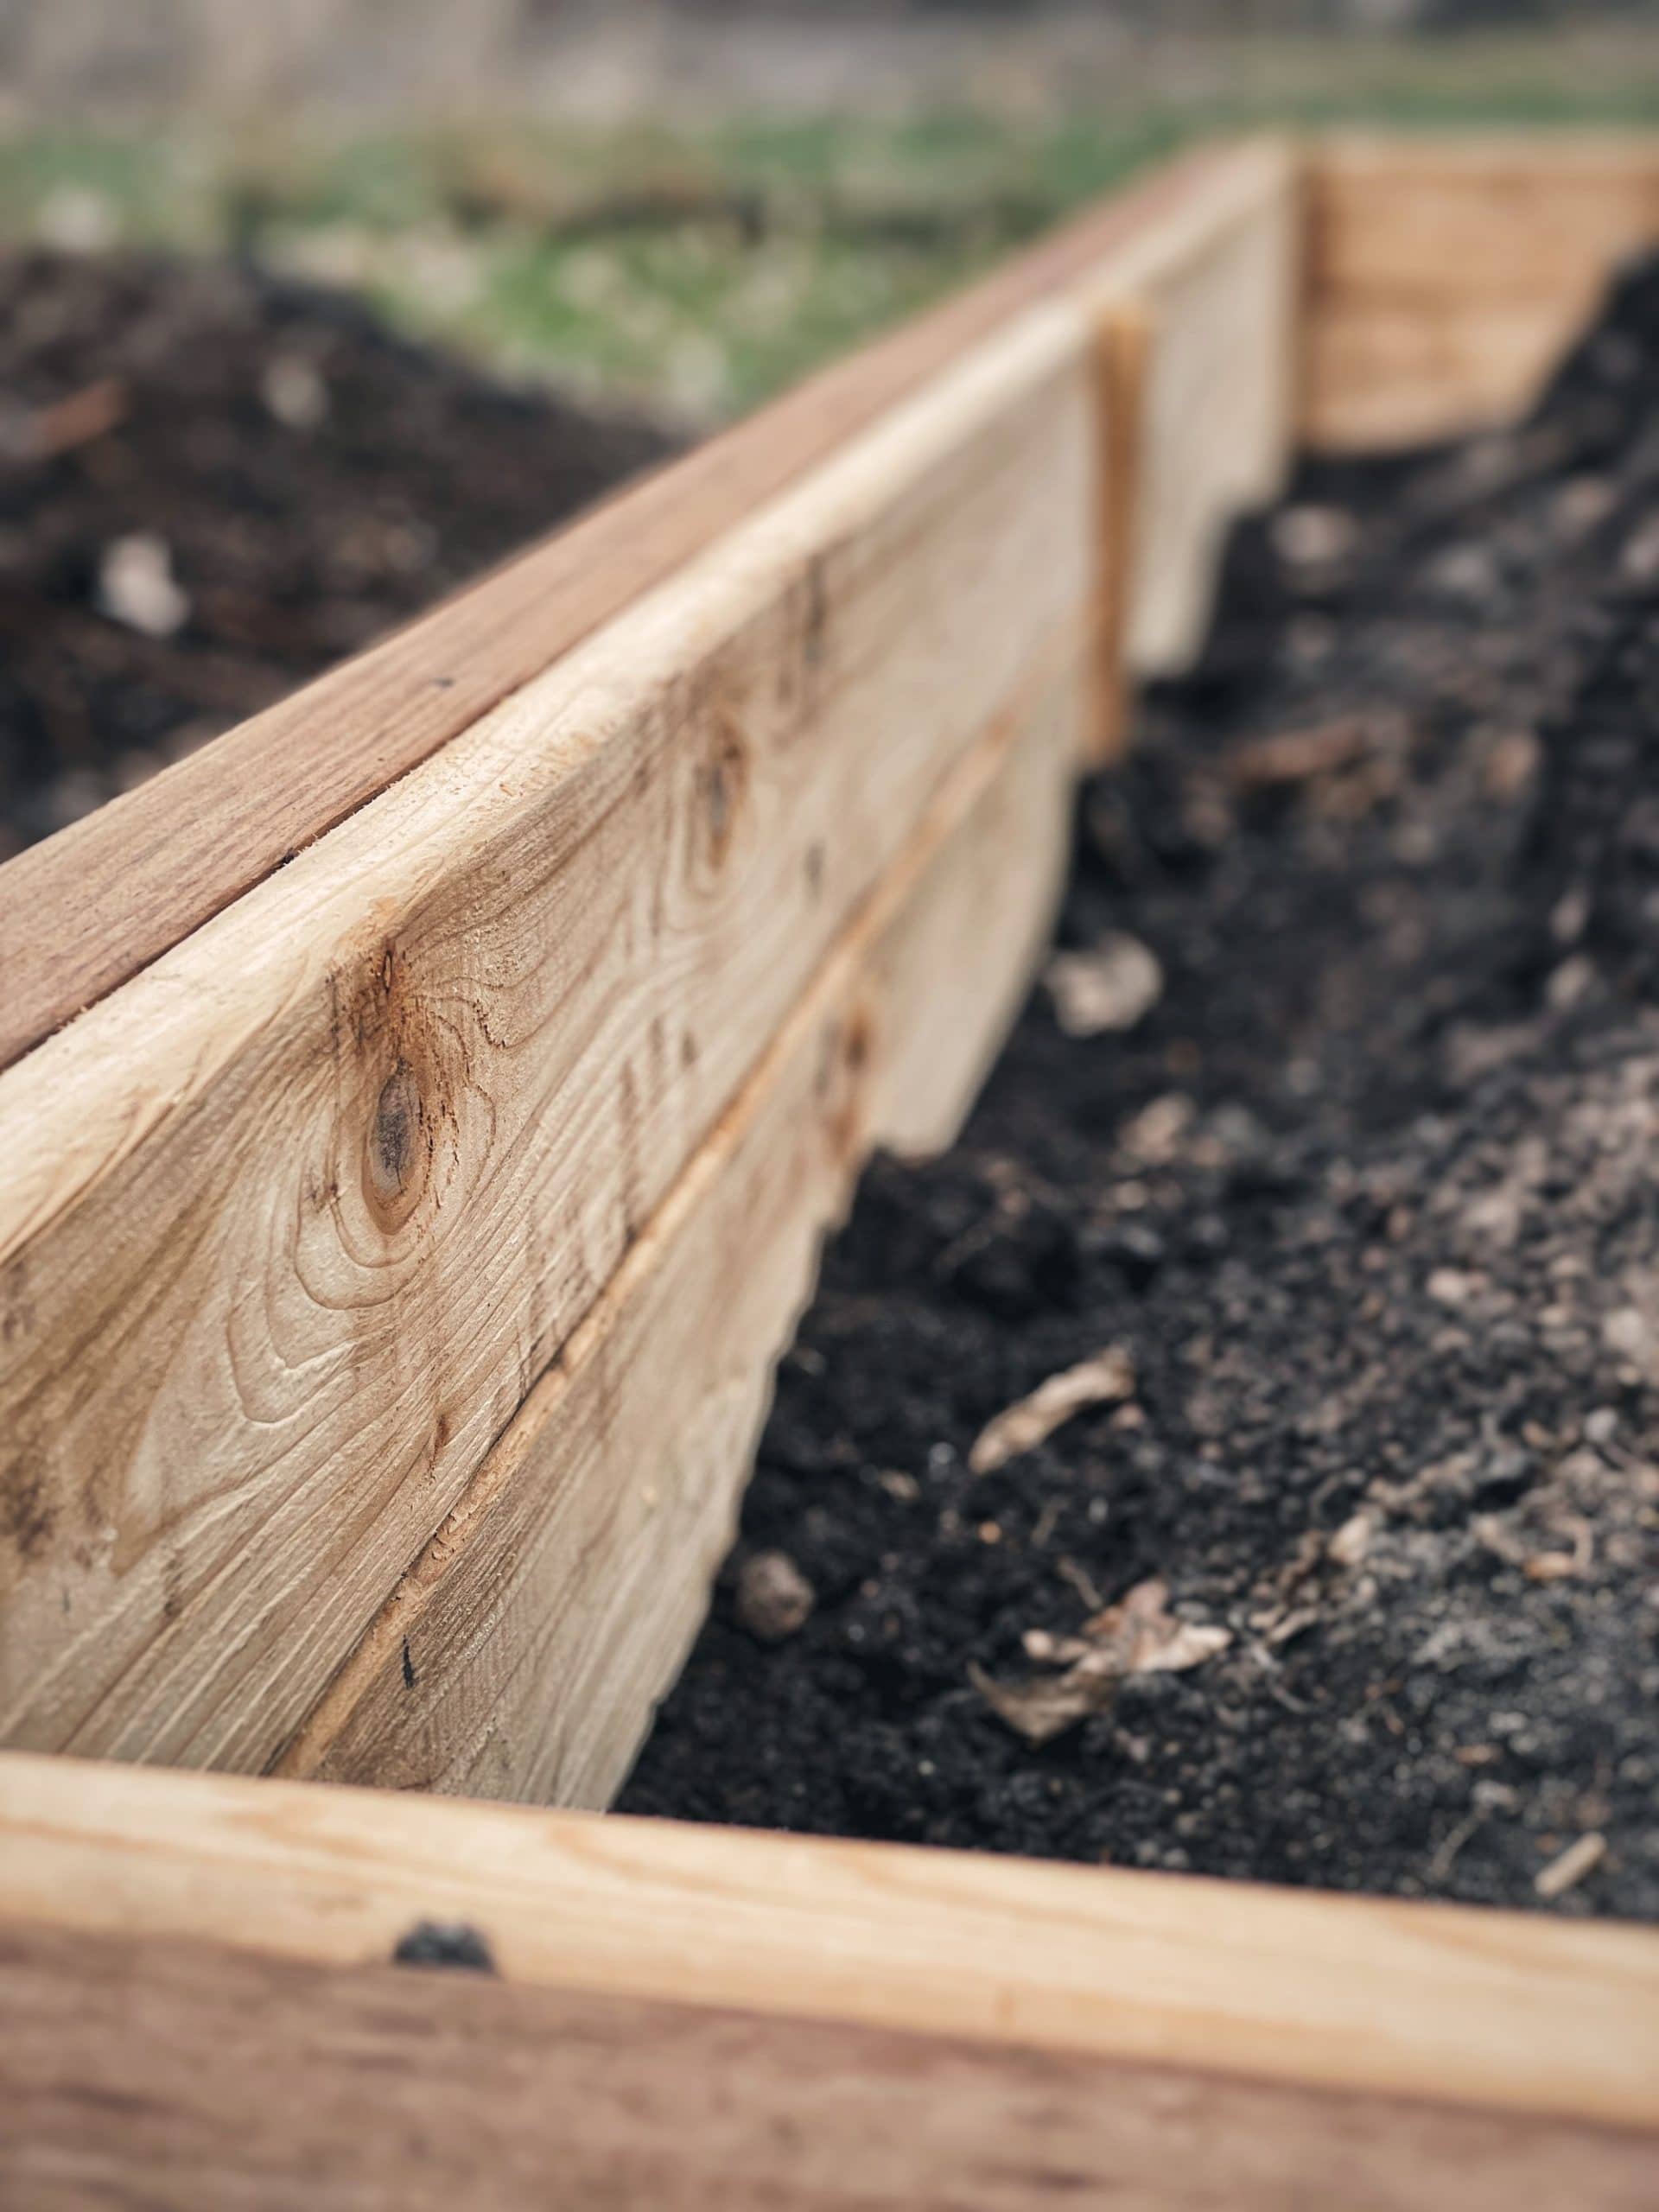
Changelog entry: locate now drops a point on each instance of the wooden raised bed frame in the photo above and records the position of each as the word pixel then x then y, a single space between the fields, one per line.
pixel 419 1114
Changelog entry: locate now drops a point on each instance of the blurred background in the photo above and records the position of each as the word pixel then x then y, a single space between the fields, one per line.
pixel 312 307
pixel 685 202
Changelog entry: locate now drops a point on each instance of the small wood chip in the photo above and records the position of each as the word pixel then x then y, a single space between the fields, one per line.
pixel 1111 986
pixel 1579 1860
pixel 1349 1544
pixel 137 587
pixel 1102 1380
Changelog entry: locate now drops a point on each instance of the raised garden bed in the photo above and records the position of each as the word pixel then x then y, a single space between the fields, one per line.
pixel 1308 1199
pixel 412 1174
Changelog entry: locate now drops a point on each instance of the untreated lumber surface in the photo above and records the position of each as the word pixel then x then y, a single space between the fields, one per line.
pixel 1204 2042
pixel 91 907
pixel 1217 292
pixel 523 1653
pixel 292 1223
pixel 1445 280
pixel 139 2072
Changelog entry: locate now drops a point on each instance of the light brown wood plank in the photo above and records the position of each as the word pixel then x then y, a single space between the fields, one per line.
pixel 290 1226
pixel 140 2071
pixel 1220 294
pixel 91 907
pixel 1446 280
pixel 1123 345
pixel 523 1653
pixel 1435 2004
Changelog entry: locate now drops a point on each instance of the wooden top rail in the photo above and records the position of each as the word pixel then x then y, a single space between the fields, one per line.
pixel 870 2025
pixel 95 904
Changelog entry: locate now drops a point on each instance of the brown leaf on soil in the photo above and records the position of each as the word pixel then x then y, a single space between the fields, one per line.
pixel 1045 1707
pixel 1144 1637
pixel 1137 1635
pixel 1102 1380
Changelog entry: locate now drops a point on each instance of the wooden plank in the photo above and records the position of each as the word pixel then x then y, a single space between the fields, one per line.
pixel 94 906
pixel 523 1653
pixel 1124 344
pixel 1447 2007
pixel 1219 294
pixel 292 1223
pixel 139 2072
pixel 1445 280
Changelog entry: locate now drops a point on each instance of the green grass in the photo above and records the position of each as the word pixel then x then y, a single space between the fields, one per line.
pixel 699 269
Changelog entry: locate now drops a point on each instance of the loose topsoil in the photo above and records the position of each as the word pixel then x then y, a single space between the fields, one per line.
pixel 1357 1222
pixel 213 486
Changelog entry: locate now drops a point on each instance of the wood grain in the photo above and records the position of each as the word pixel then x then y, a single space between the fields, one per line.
pixel 94 906
pixel 1445 280
pixel 141 2071
pixel 1459 2008
pixel 1220 294
pixel 1124 344
pixel 292 1223
pixel 523 1653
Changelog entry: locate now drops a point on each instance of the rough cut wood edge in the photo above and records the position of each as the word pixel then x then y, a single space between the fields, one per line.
pixel 523 1653
pixel 1455 2007
pixel 1445 279
pixel 138 2071
pixel 91 907
pixel 292 1223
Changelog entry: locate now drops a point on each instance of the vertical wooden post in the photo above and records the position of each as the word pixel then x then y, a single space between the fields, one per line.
pixel 1124 344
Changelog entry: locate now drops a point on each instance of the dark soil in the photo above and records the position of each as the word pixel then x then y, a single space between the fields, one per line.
pixel 213 486
pixel 1368 1198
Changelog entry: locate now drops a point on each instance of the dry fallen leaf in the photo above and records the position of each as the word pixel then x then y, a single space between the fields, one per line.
pixel 1047 1706
pixel 1112 986
pixel 1144 1637
pixel 1102 1380
pixel 1137 1635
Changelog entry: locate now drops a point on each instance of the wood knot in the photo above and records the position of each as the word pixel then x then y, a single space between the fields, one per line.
pixel 843 1081
pixel 395 1148
pixel 725 775
pixel 721 773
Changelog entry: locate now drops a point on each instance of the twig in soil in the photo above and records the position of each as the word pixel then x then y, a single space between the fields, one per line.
pixel 1294 756
pixel 85 415
pixel 1572 1865
pixel 1441 1863
pixel 1082 1581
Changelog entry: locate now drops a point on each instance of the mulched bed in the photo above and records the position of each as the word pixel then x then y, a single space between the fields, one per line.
pixel 1340 1562
pixel 213 486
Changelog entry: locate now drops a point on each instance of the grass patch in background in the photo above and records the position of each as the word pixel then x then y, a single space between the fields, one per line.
pixel 698 268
